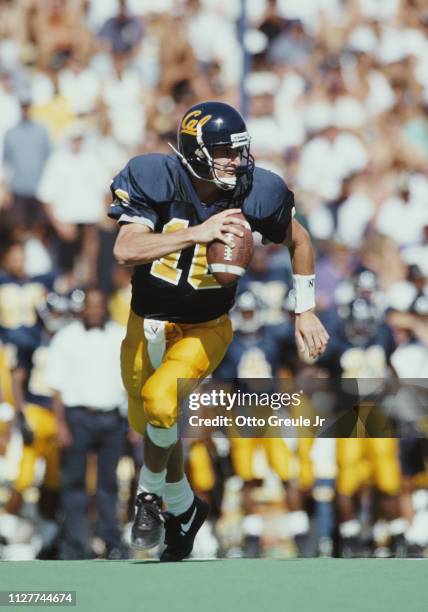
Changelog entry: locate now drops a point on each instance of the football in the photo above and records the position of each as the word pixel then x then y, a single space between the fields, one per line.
pixel 228 264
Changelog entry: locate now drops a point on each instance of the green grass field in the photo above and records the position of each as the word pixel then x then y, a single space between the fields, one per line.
pixel 253 585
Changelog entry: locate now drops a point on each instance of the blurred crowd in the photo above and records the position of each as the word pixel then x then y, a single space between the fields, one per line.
pixel 337 100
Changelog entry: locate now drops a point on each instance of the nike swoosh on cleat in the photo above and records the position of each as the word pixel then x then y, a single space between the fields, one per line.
pixel 184 528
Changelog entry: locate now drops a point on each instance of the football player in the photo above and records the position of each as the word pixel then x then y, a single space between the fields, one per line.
pixel 169 208
pixel 407 314
pixel 362 346
pixel 256 352
pixel 19 296
pixel 37 422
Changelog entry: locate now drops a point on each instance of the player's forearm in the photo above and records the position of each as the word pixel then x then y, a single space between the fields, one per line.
pixel 301 251
pixel 303 264
pixel 136 248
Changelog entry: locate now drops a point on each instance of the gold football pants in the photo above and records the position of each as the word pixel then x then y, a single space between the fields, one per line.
pixel 368 461
pixel 200 467
pixel 193 351
pixel 286 463
pixel 43 423
pixel 6 375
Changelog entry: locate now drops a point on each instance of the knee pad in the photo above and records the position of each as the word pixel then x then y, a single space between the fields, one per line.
pixel 162 436
pixel 160 409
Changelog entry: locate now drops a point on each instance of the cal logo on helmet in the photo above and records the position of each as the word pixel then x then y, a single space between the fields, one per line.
pixel 190 123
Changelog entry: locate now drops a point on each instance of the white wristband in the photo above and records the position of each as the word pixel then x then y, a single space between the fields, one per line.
pixel 304 288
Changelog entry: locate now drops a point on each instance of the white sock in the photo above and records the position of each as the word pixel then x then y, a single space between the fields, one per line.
pixel 298 522
pixel 398 526
pixel 417 533
pixel 350 529
pixel 152 482
pixel 178 496
pixel 252 525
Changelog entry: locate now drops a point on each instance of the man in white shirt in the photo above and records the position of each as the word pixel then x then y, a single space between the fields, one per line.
pixel 72 189
pixel 327 159
pixel 84 372
pixel 404 215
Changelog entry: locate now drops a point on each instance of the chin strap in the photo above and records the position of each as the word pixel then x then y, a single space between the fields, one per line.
pixel 220 183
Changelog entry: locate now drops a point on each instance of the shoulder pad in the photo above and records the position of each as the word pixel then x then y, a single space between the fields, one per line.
pixel 269 206
pixel 269 192
pixel 146 181
pixel 153 176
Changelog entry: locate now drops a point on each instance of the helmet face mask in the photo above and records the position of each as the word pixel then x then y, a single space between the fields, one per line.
pixel 213 168
pixel 203 128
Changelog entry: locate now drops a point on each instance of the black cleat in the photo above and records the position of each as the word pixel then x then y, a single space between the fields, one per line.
pixel 401 548
pixel 180 531
pixel 398 546
pixel 352 548
pixel 147 530
pixel 252 547
pixel 116 553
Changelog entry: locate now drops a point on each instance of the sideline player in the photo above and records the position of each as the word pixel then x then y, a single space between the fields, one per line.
pixel 169 208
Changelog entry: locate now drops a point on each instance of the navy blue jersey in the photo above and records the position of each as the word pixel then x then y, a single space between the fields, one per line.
pixel 270 279
pixel 339 344
pixel 18 300
pixel 156 191
pixel 256 355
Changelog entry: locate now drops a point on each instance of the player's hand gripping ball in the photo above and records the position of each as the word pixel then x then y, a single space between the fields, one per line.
pixel 227 263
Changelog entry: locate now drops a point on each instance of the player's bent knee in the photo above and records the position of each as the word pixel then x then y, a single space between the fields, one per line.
pixel 164 437
pixel 159 409
pixel 160 416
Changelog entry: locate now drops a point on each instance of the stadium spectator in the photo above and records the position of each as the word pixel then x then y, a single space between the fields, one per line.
pixel 121 33
pixel 177 61
pixel 123 94
pixel 26 150
pixel 404 204
pixel 51 107
pixel 293 45
pixel 72 189
pixel 87 408
pixel 80 84
pixel 58 30
pixel 10 114
pixel 336 154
